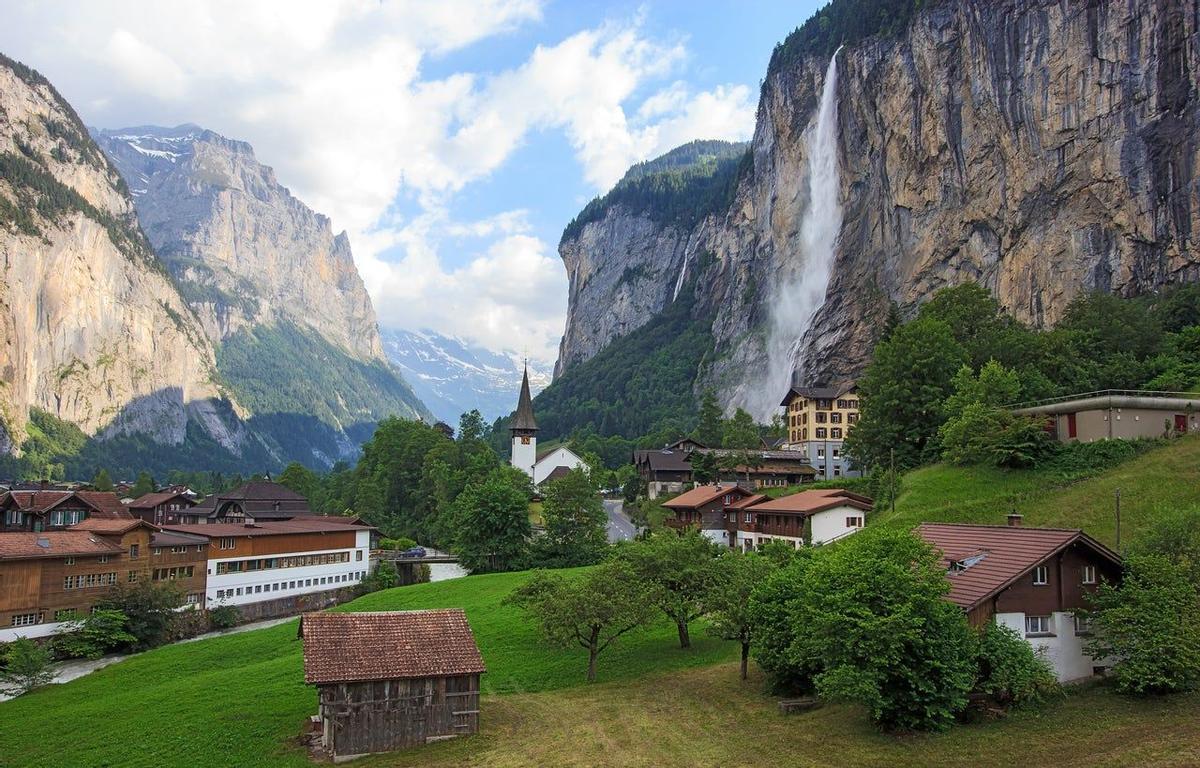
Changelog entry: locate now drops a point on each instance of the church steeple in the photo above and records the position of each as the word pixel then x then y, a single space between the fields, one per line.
pixel 523 420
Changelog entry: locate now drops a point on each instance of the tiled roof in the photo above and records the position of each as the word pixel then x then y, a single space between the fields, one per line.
pixel 110 525
pixel 106 503
pixel 749 501
pixel 175 539
pixel 661 460
pixel 103 504
pixel 1008 552
pixel 817 500
pixel 818 393
pixel 29 545
pixel 346 647
pixel 309 524
pixel 703 494
pixel 557 473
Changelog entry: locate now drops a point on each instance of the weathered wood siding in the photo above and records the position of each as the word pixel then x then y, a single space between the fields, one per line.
pixel 383 715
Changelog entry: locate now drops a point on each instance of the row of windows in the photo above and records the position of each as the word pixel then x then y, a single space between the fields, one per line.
pixel 844 404
pixel 170 574
pixel 285 585
pixel 87 580
pixel 291 561
pixel 1041 575
pixel 27 619
pixel 67 516
pixel 1036 626
pixel 179 550
pixel 822 433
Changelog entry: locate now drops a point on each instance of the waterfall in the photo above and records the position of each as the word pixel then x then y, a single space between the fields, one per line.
pixel 798 295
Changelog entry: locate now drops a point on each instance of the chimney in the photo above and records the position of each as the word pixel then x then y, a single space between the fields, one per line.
pixel 1014 519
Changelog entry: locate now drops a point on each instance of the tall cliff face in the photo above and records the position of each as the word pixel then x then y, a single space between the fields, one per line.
pixel 1037 147
pixel 92 330
pixel 244 251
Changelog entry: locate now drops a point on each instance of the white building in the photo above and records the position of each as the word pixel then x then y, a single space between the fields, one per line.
pixel 1030 579
pixel 269 560
pixel 525 456
pixel 809 517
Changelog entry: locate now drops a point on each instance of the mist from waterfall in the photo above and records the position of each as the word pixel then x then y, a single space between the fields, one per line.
pixel 800 291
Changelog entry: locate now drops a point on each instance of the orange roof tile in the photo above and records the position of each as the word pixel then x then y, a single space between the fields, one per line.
pixel 306 524
pixel 28 545
pixel 110 525
pixel 346 647
pixel 817 500
pixel 703 494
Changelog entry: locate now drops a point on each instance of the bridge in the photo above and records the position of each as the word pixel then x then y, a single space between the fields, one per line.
pixel 392 556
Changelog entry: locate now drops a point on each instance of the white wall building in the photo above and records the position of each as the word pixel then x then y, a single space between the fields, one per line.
pixel 524 455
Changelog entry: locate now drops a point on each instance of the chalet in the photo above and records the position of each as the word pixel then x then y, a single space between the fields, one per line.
pixel 49 578
pixel 1116 414
pixel 665 470
pixel 172 507
pixel 1030 579
pixel 813 517
pixel 280 560
pixel 56 510
pixel 818 420
pixel 704 507
pixel 394 679
pixel 255 501
pixel 766 468
pixel 669 470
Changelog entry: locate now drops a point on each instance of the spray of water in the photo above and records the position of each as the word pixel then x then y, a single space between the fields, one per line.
pixel 800 289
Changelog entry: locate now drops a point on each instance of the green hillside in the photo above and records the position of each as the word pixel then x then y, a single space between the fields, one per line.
pixel 240 700
pixel 1163 477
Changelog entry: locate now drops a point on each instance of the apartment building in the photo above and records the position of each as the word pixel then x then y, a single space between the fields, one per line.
pixel 818 420
pixel 255 562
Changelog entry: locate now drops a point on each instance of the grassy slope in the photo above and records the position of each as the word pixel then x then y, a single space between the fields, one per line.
pixel 1169 475
pixel 240 700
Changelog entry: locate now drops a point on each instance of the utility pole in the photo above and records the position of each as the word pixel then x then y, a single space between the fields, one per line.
pixel 1118 521
pixel 893 473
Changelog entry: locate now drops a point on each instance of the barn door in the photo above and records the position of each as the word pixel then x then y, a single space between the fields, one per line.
pixel 1181 423
pixel 1071 432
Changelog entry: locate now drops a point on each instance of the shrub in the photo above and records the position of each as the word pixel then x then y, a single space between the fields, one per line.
pixel 1010 670
pixel 224 617
pixel 103 630
pixel 400 544
pixel 150 609
pixel 1151 625
pixel 1086 459
pixel 383 577
pixel 26 666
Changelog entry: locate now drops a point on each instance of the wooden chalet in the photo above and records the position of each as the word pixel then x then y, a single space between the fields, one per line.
pixel 56 510
pixel 255 501
pixel 1033 580
pixel 171 507
pixel 394 679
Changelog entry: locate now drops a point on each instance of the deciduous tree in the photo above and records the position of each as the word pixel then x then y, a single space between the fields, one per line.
pixel 728 600
pixel 26 666
pixel 575 522
pixel 682 566
pixel 492 528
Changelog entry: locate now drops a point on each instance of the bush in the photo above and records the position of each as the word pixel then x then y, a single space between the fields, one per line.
pixel 103 630
pixel 383 577
pixel 224 617
pixel 1086 459
pixel 399 544
pixel 1010 670
pixel 1151 625
pixel 26 666
pixel 150 608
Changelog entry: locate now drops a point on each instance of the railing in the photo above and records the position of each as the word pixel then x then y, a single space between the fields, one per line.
pixel 1103 393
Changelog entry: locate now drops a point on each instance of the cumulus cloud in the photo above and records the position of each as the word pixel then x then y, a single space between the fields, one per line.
pixel 331 93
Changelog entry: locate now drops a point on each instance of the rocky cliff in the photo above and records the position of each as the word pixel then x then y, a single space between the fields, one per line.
pixel 92 330
pixel 1038 147
pixel 244 251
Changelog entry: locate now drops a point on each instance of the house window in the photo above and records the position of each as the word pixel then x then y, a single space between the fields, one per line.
pixel 239 591
pixel 1083 625
pixel 103 559
pixel 133 577
pixel 134 550
pixel 27 619
pixel 749 518
pixel 852 418
pixel 358 555
pixel 836 433
pixel 199 547
pixel 193 599
pixel 822 433
pixel 258 588
pixel 13 517
pixel 821 418
pixel 836 453
pixel 1041 576
pixel 1037 625
pixel 820 453
pixel 227 543
pixel 69 561
pixel 854 522
pixel 1089 574
pixel 835 418
pixel 156 551
pixel 179 550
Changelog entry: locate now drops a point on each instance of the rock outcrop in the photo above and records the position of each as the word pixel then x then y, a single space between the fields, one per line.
pixel 1037 147
pixel 244 251
pixel 92 330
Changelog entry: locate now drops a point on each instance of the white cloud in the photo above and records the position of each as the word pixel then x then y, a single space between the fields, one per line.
pixel 331 93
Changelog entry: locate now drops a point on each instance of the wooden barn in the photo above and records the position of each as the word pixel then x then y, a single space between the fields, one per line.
pixel 391 679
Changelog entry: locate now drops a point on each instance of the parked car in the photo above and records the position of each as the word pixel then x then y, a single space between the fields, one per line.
pixel 413 552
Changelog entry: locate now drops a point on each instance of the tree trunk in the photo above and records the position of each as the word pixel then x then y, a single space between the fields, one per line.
pixel 745 658
pixel 685 640
pixel 592 654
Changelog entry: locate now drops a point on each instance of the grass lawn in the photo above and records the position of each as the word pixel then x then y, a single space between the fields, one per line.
pixel 240 700
pixel 706 717
pixel 1161 477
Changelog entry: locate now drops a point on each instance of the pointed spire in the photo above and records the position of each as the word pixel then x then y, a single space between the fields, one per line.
pixel 523 419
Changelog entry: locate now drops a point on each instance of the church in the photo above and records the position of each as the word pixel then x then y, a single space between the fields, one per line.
pixel 547 465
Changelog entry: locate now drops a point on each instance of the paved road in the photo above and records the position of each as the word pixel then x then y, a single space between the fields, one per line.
pixel 620 528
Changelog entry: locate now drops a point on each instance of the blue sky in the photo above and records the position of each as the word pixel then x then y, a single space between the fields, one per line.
pixel 452 140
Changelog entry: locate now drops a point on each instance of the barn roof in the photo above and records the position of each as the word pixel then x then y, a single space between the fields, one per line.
pixel 151 500
pixel 28 545
pixel 387 645
pixel 813 501
pixel 982 560
pixel 703 494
